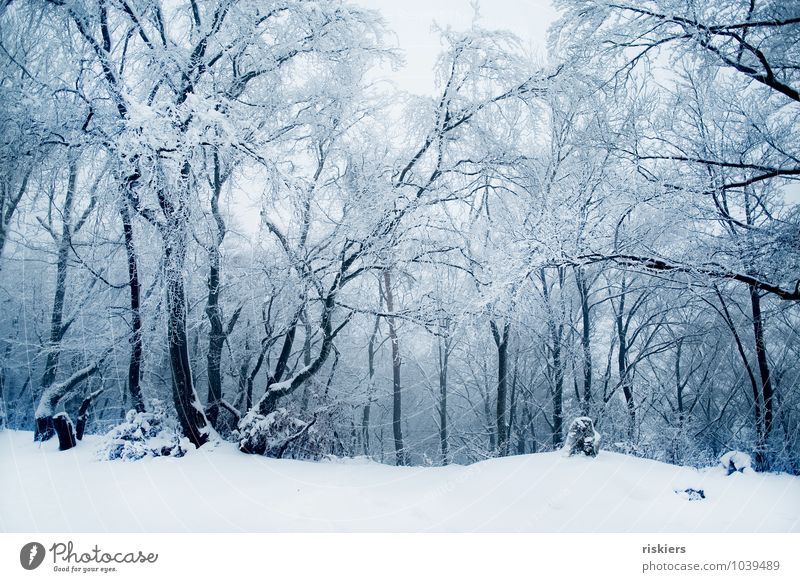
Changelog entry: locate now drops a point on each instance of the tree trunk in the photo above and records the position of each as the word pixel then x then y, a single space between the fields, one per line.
pixel 625 380
pixel 757 408
pixel 62 426
pixel 135 364
pixel 216 335
pixel 400 455
pixel 216 340
pixel 307 334
pixel 501 342
pixel 679 386
pixel 57 314
pixel 512 409
pixel 444 357
pixel 83 413
pixel 586 336
pixel 556 333
pixel 558 394
pixel 45 411
pixel 276 390
pixel 763 369
pixel 491 418
pixel 9 200
pixel 370 387
pixel 187 404
pixel 44 427
pixel 174 234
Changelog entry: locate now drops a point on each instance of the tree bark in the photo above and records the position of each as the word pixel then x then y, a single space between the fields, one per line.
pixel 44 429
pixel 586 338
pixel 187 405
pixel 9 201
pixel 365 419
pixel 57 314
pixel 135 364
pixel 767 393
pixel 757 408
pixel 216 335
pixel 83 413
pixel 397 410
pixel 556 333
pixel 277 390
pixel 558 394
pixel 444 358
pixel 62 426
pixel 45 411
pixel 501 342
pixel 625 380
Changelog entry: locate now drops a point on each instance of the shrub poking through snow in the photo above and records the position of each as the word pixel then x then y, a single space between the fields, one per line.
pixel 691 494
pixel 143 434
pixel 736 462
pixel 280 435
pixel 582 438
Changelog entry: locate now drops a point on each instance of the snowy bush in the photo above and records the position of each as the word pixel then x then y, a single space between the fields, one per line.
pixel 736 462
pixel 691 494
pixel 143 434
pixel 280 434
pixel 582 438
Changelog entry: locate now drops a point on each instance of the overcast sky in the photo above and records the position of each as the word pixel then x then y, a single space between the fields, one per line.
pixel 411 21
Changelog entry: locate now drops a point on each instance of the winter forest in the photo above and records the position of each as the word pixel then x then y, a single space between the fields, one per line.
pixel 221 222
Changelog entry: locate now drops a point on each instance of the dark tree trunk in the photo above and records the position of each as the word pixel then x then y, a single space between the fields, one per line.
pixel 307 334
pixel 83 413
pixel 757 408
pixel 397 410
pixel 558 394
pixel 187 405
pixel 9 200
pixel 276 390
pixel 679 386
pixel 444 357
pixel 491 417
pixel 135 364
pixel 370 387
pixel 45 411
pixel 44 429
pixel 501 342
pixel 586 337
pixel 66 433
pixel 512 409
pixel 625 380
pixel 556 333
pixel 57 314
pixel 525 422
pixel 269 402
pixel 763 368
pixel 216 335
pixel 216 341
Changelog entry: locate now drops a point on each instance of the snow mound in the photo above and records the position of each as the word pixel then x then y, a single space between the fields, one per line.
pixel 691 494
pixel 736 462
pixel 582 438
pixel 280 435
pixel 219 489
pixel 143 434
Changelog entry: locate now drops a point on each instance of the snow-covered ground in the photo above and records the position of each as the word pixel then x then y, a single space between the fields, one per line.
pixel 217 488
